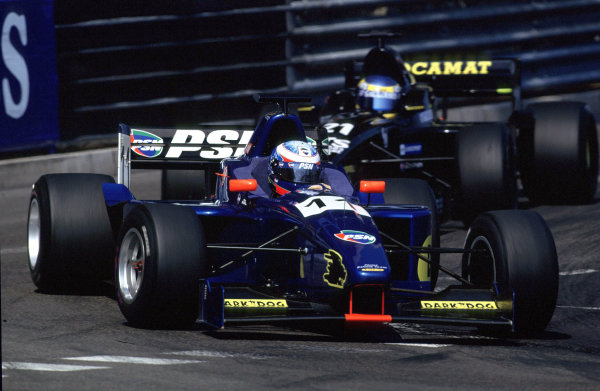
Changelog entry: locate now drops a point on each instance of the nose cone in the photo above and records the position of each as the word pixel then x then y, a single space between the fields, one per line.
pixel 367 263
pixel 359 251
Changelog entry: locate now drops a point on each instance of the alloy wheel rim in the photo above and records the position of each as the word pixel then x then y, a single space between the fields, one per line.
pixel 131 265
pixel 33 233
pixel 482 266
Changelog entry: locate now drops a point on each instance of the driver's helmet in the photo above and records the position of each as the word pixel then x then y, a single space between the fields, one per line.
pixel 378 93
pixel 293 165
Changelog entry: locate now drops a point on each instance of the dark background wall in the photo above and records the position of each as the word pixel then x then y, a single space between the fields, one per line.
pixel 175 63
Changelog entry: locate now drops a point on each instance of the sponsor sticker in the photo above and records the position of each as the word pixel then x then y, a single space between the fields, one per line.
pixel 212 145
pixel 146 139
pixel 336 273
pixel 372 268
pixel 411 149
pixel 255 303
pixel 448 67
pixel 215 144
pixel 459 305
pixel 358 237
pixel 338 145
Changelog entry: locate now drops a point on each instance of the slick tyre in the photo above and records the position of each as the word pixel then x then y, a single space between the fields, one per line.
pixel 560 157
pixel 161 254
pixel 517 259
pixel 69 237
pixel 183 185
pixel 486 162
pixel 409 191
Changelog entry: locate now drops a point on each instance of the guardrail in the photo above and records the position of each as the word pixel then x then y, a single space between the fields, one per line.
pixel 196 62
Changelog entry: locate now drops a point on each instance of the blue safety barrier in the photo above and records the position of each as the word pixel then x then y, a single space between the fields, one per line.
pixel 28 77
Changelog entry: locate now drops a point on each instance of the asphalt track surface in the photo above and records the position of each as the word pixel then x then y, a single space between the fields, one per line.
pixel 72 342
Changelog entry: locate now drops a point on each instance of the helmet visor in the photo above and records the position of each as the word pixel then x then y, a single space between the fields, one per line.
pixel 378 93
pixel 298 172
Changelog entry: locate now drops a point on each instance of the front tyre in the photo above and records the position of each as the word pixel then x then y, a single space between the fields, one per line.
pixel 161 256
pixel 517 256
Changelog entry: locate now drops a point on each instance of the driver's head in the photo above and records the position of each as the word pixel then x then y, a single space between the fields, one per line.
pixel 378 93
pixel 293 165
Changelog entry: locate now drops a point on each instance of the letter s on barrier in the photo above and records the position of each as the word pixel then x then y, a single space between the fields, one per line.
pixel 15 63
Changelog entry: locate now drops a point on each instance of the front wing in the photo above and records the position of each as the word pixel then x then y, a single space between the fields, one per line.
pixel 455 305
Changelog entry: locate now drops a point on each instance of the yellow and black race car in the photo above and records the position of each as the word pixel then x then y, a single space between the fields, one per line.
pixel 389 121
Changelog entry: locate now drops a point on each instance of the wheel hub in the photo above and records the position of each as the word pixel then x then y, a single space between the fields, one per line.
pixel 481 265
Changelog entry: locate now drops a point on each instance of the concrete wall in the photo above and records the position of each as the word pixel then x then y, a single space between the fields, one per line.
pixel 25 171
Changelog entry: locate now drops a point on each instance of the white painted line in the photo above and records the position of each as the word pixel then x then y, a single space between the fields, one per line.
pixel 213 354
pixel 579 308
pixel 416 329
pixel 336 349
pixel 579 271
pixel 32 366
pixel 419 345
pixel 201 353
pixel 14 250
pixel 133 360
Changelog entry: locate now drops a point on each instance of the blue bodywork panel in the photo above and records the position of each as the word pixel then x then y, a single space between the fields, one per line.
pixel 115 193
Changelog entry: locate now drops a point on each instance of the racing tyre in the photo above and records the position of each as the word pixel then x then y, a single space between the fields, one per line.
pixel 69 237
pixel 409 191
pixel 183 185
pixel 560 157
pixel 518 258
pixel 160 257
pixel 486 171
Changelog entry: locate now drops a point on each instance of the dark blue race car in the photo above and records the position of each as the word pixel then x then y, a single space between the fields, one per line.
pixel 325 251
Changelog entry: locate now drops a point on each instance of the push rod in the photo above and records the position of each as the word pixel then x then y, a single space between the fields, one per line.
pixel 439 267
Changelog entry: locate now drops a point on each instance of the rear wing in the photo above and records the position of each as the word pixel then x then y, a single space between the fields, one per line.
pixel 151 148
pixel 467 78
pixel 461 78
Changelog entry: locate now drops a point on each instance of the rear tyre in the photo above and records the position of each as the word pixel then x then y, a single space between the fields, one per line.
pixel 69 237
pixel 519 258
pixel 409 191
pixel 486 171
pixel 160 257
pixel 561 156
pixel 183 185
